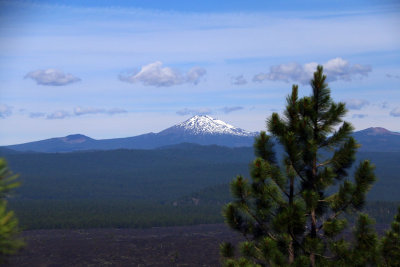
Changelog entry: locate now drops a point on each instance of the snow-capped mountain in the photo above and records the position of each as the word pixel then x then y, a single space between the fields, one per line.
pixel 203 130
pixel 206 125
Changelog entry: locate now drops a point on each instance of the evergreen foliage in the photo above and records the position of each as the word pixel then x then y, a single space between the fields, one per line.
pixel 9 241
pixel 292 214
pixel 390 245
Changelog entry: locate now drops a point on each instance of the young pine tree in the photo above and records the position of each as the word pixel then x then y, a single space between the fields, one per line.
pixel 290 213
pixel 9 241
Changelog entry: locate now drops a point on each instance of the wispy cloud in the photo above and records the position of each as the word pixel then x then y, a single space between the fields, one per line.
pixel 238 80
pixel 393 76
pixel 227 110
pixel 384 105
pixel 208 111
pixel 37 114
pixel 200 111
pixel 395 112
pixel 194 75
pixel 78 111
pixel 154 74
pixel 115 111
pixel 59 114
pixel 5 111
pixel 335 69
pixel 359 116
pixel 356 104
pixel 52 77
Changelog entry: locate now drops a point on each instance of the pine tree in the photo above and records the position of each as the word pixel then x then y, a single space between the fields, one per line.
pixel 291 214
pixel 9 241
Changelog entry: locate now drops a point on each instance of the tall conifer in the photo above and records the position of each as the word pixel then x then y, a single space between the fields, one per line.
pixel 290 212
pixel 9 240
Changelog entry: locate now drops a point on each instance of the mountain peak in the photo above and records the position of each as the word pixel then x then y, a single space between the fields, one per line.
pixel 201 116
pixel 75 138
pixel 378 131
pixel 204 124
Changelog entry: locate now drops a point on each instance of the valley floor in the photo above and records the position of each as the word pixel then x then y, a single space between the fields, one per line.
pixel 165 246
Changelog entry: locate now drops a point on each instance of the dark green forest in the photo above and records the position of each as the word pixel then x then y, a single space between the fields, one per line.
pixel 178 185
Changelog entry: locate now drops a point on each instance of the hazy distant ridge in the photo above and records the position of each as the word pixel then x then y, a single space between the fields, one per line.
pixel 202 130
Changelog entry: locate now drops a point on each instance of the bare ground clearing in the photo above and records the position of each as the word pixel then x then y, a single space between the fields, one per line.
pixel 166 246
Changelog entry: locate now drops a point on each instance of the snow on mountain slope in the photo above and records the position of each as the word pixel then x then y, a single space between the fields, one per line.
pixel 204 125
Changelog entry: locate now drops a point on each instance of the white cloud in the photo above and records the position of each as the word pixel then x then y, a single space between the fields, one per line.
pixel 154 74
pixel 395 112
pixel 78 111
pixel 335 69
pixel 195 74
pixel 340 69
pixel 261 77
pixel 5 111
pixel 356 103
pixel 60 114
pixel 238 80
pixel 200 111
pixel 52 77
pixel 227 110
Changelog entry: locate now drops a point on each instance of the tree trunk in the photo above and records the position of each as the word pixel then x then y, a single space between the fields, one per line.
pixel 290 249
pixel 312 259
pixel 313 235
pixel 313 216
pixel 291 252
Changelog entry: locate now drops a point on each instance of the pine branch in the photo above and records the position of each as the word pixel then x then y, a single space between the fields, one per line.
pixel 324 163
pixel 260 223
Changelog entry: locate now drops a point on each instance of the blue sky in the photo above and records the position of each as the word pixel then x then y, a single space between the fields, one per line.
pixel 121 68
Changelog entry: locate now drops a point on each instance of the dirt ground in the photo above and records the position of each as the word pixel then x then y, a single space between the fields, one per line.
pixel 167 246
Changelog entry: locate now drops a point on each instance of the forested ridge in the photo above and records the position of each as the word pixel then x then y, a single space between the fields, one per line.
pixel 177 185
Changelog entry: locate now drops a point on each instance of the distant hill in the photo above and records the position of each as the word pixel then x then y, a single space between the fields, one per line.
pixel 59 144
pixel 202 130
pixel 378 139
